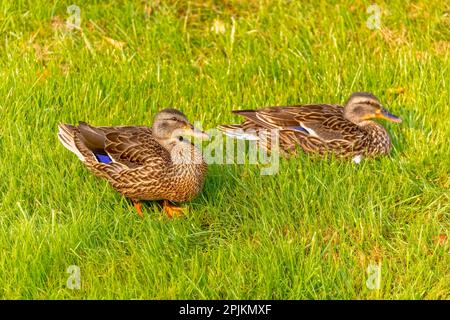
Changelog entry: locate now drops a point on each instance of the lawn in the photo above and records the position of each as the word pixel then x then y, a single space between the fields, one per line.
pixel 318 229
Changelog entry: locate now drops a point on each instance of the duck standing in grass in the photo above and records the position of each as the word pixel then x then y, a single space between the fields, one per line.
pixel 321 128
pixel 143 163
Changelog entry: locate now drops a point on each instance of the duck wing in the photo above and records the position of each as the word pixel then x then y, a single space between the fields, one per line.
pixel 131 146
pixel 322 121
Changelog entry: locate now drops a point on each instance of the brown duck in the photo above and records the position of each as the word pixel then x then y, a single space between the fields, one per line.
pixel 347 131
pixel 143 163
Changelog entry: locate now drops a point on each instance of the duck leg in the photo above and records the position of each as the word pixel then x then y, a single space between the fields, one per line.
pixel 172 210
pixel 138 207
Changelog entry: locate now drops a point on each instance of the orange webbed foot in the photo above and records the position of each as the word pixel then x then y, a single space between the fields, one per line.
pixel 138 207
pixel 172 210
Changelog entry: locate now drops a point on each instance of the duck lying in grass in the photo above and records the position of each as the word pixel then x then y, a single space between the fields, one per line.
pixel 321 128
pixel 143 163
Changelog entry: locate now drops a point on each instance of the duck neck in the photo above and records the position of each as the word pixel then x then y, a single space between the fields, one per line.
pixel 184 155
pixel 377 138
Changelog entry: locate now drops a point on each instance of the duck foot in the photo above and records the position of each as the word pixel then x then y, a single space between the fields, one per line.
pixel 172 210
pixel 138 207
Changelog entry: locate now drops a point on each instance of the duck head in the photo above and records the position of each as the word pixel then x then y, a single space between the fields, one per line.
pixel 362 106
pixel 170 125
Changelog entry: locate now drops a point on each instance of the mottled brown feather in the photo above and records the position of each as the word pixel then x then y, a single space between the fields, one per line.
pixel 335 134
pixel 142 169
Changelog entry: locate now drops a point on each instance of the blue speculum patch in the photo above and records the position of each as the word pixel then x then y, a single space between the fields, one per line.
pixel 103 158
pixel 299 128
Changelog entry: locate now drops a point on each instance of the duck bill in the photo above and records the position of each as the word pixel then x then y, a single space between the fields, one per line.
pixel 386 115
pixel 196 133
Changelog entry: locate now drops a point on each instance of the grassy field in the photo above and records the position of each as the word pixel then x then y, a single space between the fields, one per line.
pixel 309 232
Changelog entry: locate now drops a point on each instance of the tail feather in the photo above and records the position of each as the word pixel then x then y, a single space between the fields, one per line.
pixel 236 131
pixel 244 112
pixel 66 135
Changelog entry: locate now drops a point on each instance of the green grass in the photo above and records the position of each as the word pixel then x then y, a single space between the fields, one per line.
pixel 308 232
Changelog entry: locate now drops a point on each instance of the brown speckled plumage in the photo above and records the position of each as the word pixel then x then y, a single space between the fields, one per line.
pixel 141 167
pixel 322 128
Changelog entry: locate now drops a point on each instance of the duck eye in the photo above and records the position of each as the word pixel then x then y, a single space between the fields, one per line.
pixel 174 119
pixel 180 138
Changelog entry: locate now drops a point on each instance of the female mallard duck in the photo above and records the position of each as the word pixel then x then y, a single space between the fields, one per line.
pixel 143 163
pixel 344 131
